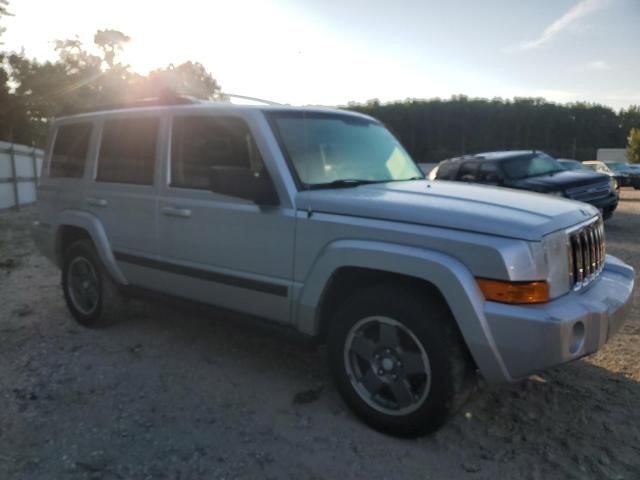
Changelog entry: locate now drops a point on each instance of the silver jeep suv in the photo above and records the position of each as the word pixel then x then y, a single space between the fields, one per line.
pixel 320 220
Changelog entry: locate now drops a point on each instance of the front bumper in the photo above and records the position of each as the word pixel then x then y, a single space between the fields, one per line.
pixel 609 202
pixel 532 338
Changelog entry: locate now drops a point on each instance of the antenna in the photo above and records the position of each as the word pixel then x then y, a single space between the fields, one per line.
pixel 253 99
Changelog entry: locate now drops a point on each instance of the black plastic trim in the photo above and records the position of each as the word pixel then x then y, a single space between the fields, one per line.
pixel 224 278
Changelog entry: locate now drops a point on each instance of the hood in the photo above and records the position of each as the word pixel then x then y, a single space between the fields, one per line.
pixel 560 180
pixel 461 206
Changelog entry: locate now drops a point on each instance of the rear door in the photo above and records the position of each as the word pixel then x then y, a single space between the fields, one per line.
pixel 123 190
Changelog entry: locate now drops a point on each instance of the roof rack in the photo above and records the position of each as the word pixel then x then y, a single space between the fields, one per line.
pixel 251 99
pixel 162 100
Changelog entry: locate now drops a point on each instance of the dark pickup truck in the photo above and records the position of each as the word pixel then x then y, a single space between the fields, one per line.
pixel 531 170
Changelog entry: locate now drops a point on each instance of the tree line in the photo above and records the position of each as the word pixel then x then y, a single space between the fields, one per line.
pixel 89 76
pixel 432 130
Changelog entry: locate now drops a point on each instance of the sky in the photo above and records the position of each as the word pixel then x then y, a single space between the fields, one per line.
pixel 331 52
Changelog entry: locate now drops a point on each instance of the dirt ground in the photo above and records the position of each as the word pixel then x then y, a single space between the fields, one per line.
pixel 168 394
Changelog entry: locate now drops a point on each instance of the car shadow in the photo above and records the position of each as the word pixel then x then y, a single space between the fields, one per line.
pixel 576 421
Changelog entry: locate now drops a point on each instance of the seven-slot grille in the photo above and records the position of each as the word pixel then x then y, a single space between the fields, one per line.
pixel 586 253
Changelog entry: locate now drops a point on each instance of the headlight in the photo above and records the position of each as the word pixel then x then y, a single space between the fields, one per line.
pixel 613 183
pixel 556 253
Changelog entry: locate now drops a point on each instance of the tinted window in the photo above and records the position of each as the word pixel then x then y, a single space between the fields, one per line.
pixel 467 172
pixel 199 143
pixel 70 150
pixel 128 150
pixel 488 173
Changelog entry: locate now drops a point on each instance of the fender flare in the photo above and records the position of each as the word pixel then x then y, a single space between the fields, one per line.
pixel 454 281
pixel 92 225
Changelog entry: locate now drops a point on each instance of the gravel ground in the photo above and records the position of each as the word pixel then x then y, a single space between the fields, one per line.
pixel 169 394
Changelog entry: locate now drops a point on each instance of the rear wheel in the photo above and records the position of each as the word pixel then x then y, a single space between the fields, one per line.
pixel 398 360
pixel 91 295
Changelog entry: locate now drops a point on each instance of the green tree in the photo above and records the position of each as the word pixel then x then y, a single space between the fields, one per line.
pixel 111 42
pixel 633 146
pixel 3 13
pixel 189 78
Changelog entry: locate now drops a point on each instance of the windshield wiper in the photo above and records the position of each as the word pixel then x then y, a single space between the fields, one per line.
pixel 344 183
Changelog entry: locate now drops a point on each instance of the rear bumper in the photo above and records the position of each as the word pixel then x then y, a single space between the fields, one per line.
pixel 532 338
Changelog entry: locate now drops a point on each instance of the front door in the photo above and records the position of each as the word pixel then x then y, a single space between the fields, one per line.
pixel 217 248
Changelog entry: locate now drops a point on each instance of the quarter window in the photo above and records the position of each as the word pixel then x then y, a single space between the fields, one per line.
pixel 70 150
pixel 128 150
pixel 199 143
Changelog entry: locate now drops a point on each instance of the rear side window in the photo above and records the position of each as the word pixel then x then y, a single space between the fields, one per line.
pixel 467 172
pixel 128 150
pixel 70 150
pixel 199 143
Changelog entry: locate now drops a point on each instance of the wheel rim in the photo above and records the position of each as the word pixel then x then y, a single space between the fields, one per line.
pixel 387 365
pixel 82 283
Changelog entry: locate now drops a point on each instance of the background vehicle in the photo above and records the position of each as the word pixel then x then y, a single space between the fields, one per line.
pixel 534 171
pixel 319 219
pixel 631 173
pixel 621 177
pixel 573 164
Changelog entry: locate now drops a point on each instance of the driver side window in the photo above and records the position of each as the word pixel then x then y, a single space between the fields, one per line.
pixel 199 143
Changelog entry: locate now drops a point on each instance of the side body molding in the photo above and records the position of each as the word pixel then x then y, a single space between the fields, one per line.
pixel 91 223
pixel 452 278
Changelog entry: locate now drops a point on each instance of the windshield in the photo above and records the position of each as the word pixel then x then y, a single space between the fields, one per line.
pixel 531 165
pixel 327 148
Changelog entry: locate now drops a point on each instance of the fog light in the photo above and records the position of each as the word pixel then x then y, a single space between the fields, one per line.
pixel 577 337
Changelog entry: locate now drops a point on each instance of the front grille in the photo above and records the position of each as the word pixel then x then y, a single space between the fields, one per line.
pixel 587 193
pixel 587 252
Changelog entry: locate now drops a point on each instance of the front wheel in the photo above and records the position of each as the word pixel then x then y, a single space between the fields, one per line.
pixel 398 360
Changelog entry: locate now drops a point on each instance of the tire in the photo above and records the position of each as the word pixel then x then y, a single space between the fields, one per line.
pixel 426 331
pixel 91 295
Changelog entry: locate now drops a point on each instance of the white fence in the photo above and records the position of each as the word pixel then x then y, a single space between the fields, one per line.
pixel 20 168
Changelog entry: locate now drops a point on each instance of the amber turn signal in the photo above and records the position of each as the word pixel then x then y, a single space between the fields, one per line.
pixel 514 292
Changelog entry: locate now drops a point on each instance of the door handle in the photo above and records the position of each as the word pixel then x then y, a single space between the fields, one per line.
pixel 98 202
pixel 176 212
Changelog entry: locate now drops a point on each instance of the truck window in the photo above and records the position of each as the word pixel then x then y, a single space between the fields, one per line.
pixel 199 143
pixel 70 150
pixel 128 150
pixel 488 172
pixel 467 172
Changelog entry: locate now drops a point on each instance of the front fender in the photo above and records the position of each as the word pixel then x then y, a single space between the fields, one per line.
pixel 450 276
pixel 92 225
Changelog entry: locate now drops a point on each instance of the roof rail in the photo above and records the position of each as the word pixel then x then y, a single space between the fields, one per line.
pixel 252 99
pixel 162 100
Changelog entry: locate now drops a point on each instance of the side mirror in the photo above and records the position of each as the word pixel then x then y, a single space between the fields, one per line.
pixel 243 183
